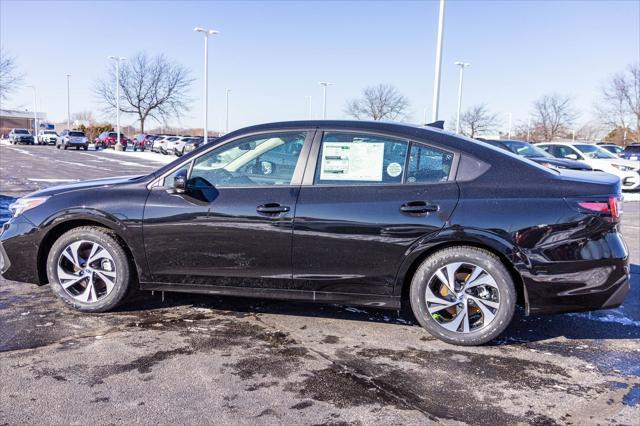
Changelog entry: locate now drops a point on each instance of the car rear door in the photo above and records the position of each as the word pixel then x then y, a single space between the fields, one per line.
pixel 233 225
pixel 366 200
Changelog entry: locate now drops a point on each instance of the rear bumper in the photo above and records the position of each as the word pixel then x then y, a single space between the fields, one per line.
pixel 600 280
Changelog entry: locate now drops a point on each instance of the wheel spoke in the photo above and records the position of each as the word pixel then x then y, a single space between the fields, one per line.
pixel 487 315
pixel 94 249
pixel 454 324
pixel 109 282
pixel 489 303
pixel 75 247
pixel 70 281
pixel 482 280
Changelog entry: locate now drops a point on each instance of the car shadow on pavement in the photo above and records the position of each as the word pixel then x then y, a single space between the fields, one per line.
pixel 619 323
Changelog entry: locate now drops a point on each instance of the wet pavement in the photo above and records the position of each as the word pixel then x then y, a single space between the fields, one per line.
pixel 203 359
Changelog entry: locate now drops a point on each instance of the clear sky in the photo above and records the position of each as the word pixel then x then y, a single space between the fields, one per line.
pixel 273 54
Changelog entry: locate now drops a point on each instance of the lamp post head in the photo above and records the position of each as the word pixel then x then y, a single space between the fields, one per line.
pixel 325 83
pixel 462 64
pixel 205 31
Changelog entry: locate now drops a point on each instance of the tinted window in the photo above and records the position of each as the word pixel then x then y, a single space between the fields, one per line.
pixel 356 158
pixel 564 151
pixel 76 134
pixel 21 132
pixel 267 159
pixel 428 164
pixel 594 151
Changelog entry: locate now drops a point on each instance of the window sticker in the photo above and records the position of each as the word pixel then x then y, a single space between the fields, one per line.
pixel 394 169
pixel 352 161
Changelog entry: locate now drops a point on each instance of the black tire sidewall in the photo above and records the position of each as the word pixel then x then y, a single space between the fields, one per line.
pixel 111 244
pixel 489 263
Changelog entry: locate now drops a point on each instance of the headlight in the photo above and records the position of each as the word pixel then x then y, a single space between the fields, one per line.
pixel 623 168
pixel 24 204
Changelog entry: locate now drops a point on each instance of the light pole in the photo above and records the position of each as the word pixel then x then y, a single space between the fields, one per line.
pixel 117 59
pixel 528 127
pixel 509 133
pixel 68 107
pixel 35 115
pixel 436 78
pixel 206 33
pixel 308 98
pixel 324 85
pixel 226 129
pixel 462 66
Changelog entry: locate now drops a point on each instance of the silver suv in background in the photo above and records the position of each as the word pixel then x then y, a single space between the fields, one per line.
pixel 48 137
pixel 72 138
pixel 17 136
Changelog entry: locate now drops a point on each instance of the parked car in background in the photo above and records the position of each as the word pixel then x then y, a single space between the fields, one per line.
pixel 48 137
pixel 17 136
pixel 533 153
pixel 157 143
pixel 108 140
pixel 632 152
pixel 72 138
pixel 142 142
pixel 351 212
pixel 166 145
pixel 180 145
pixel 192 144
pixel 616 150
pixel 599 159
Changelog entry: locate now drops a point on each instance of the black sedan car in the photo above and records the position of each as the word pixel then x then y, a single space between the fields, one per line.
pixel 372 214
pixel 538 155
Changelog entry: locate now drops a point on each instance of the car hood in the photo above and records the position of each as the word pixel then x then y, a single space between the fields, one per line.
pixel 629 163
pixel 561 162
pixel 85 184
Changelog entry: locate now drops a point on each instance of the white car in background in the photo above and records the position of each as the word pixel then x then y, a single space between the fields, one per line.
pixel 48 137
pixel 599 159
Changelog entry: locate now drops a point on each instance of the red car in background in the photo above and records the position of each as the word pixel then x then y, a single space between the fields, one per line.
pixel 143 141
pixel 108 140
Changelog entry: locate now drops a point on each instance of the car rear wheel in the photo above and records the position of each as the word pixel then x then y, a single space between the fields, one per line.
pixel 463 295
pixel 88 269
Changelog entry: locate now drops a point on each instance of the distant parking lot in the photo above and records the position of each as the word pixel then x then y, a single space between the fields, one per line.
pixel 256 361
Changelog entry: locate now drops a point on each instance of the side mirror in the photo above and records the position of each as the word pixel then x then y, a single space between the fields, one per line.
pixel 267 167
pixel 180 183
pixel 571 156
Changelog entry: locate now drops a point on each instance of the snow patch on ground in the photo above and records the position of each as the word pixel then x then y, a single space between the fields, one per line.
pixel 631 196
pixel 615 316
pixel 146 155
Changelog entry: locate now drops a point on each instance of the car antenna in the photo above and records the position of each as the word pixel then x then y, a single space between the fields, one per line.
pixel 436 124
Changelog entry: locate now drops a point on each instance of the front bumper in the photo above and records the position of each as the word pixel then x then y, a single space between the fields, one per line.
pixel 19 250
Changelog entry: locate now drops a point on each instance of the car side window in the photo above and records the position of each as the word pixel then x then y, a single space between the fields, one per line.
pixel 565 151
pixel 265 159
pixel 358 158
pixel 428 164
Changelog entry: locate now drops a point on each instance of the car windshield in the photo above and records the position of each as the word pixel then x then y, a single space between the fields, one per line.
pixel 525 149
pixel 49 132
pixel 76 134
pixel 594 152
pixel 21 132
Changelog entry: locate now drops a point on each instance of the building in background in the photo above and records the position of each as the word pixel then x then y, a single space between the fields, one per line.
pixel 10 119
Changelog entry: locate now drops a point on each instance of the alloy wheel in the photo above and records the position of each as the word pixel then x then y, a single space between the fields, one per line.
pixel 462 297
pixel 86 271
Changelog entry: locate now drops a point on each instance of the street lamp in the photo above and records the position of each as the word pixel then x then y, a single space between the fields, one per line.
pixel 68 108
pixel 227 117
pixel 35 114
pixel 117 59
pixel 462 66
pixel 436 78
pixel 206 33
pixel 509 133
pixel 324 85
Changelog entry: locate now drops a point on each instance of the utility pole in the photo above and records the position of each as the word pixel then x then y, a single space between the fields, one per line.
pixel 68 105
pixel 436 79
pixel 462 66
pixel 226 129
pixel 118 59
pixel 206 33
pixel 324 85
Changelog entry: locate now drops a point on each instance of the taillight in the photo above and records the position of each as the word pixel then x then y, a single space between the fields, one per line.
pixel 612 207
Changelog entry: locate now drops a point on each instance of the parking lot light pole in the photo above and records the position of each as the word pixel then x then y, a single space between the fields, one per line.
pixel 462 66
pixel 35 115
pixel 226 127
pixel 68 107
pixel 436 78
pixel 509 133
pixel 324 85
pixel 206 33
pixel 117 59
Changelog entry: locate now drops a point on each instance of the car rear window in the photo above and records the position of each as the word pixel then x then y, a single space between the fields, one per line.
pixel 77 134
pixel 21 131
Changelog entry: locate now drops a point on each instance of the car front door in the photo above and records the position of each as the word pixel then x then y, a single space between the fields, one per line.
pixel 232 226
pixel 366 200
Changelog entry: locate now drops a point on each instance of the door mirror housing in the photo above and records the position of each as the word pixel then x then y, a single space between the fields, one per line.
pixel 571 156
pixel 180 182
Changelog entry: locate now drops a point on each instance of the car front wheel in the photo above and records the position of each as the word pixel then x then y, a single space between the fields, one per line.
pixel 88 269
pixel 463 295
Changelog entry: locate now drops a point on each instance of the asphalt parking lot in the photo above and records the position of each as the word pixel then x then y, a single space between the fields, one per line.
pixel 202 359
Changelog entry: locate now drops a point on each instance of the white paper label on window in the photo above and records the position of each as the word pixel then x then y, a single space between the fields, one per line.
pixel 352 161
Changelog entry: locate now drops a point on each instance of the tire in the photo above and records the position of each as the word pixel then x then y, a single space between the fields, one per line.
pixel 85 147
pixel 123 285
pixel 501 289
pixel 64 147
pixel 57 146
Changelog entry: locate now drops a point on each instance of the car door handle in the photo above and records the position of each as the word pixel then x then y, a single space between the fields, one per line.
pixel 272 208
pixel 418 207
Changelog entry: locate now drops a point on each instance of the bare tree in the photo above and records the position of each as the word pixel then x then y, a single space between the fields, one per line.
pixel 478 120
pixel 149 88
pixel 380 102
pixel 10 77
pixel 553 115
pixel 619 105
pixel 85 117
